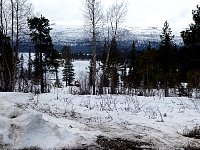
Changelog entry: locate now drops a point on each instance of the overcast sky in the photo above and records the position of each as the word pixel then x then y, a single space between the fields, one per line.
pixel 146 13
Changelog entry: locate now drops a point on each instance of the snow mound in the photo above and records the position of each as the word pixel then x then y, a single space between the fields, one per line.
pixel 21 129
pixel 39 132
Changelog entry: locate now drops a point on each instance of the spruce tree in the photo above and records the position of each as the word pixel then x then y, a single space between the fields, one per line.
pixel 103 78
pixel 132 66
pixel 113 65
pixel 191 38
pixel 65 52
pixel 166 54
pixel 68 71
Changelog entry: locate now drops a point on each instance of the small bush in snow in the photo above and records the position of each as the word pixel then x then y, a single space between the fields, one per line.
pixel 193 133
pixel 31 148
pixel 191 146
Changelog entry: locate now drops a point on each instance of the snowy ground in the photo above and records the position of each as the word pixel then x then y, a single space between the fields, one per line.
pixel 57 119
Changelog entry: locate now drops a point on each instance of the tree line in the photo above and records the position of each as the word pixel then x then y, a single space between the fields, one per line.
pixel 167 67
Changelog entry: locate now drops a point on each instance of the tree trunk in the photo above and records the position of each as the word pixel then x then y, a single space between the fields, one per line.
pixel 12 23
pixel 29 65
pixel 41 73
pixel 17 25
pixel 165 86
pixel 94 50
pixel 1 13
pixel 57 80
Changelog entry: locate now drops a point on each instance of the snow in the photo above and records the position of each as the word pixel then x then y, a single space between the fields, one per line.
pixel 21 127
pixel 70 120
pixel 62 120
pixel 63 34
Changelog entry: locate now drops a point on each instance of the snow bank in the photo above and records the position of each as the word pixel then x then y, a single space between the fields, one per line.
pixel 21 128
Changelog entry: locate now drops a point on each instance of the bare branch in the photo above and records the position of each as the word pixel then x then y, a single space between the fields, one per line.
pixel 93 23
pixel 116 16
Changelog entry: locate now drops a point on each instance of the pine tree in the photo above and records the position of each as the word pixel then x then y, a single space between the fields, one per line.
pixel 191 38
pixel 132 66
pixel 114 55
pixel 166 54
pixel 113 62
pixel 68 71
pixel 65 52
pixel 40 34
pixel 104 82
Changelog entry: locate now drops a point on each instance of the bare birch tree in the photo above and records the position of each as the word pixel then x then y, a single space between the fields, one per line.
pixel 93 20
pixel 13 17
pixel 14 14
pixel 115 17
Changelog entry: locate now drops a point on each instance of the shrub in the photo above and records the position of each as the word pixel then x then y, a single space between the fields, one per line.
pixel 31 148
pixel 193 133
pixel 191 147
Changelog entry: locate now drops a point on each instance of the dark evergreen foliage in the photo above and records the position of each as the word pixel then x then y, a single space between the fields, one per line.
pixel 40 35
pixel 113 66
pixel 21 71
pixel 114 54
pixel 7 65
pixel 191 51
pixel 191 36
pixel 68 71
pixel 132 67
pixel 66 52
pixel 166 54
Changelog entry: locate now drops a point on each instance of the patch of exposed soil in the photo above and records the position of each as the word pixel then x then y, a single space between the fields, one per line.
pixel 122 144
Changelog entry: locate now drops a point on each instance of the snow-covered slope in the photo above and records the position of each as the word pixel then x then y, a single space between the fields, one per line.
pixel 78 38
pixel 70 34
pixel 73 34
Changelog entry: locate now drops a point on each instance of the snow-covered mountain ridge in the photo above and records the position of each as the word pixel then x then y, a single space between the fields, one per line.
pixel 76 35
